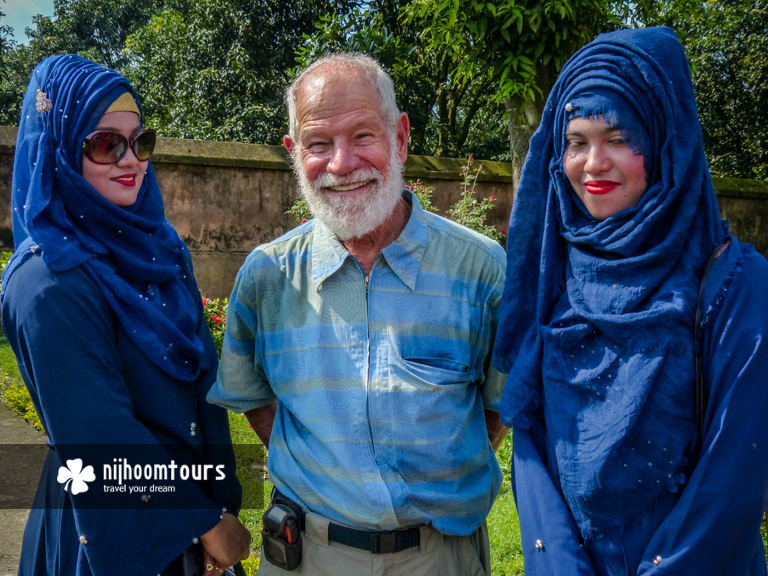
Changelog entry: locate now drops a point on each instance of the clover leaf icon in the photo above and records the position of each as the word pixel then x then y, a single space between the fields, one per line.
pixel 75 474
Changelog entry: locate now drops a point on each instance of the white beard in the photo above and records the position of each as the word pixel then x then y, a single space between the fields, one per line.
pixel 353 217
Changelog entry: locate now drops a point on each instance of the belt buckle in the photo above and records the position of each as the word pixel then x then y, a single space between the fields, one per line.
pixel 383 542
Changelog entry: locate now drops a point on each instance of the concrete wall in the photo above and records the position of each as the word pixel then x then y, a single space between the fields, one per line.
pixel 227 198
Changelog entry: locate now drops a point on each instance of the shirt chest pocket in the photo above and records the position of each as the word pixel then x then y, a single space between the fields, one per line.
pixel 424 360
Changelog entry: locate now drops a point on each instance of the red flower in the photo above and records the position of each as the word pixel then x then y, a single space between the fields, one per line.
pixel 493 197
pixel 217 319
pixel 205 301
pixel 303 220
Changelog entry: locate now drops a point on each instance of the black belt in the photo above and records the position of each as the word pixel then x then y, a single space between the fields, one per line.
pixel 385 542
pixel 375 542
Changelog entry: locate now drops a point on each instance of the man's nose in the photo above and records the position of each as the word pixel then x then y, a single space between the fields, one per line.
pixel 343 159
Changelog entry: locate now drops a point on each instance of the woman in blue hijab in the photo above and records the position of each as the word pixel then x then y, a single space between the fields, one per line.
pixel 103 313
pixel 634 329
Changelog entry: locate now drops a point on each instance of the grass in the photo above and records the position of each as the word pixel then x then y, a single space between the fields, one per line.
pixel 503 525
pixel 12 388
pixel 504 534
pixel 252 473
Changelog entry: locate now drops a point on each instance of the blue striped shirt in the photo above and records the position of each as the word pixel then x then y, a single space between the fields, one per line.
pixel 381 380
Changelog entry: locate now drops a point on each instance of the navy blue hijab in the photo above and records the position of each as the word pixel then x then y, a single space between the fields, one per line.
pixel 132 254
pixel 597 319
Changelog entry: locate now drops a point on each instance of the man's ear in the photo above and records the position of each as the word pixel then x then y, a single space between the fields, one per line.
pixel 288 143
pixel 402 128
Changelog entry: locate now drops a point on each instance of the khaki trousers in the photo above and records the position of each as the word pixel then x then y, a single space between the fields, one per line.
pixel 437 555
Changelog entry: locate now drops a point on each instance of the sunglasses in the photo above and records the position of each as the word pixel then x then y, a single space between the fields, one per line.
pixel 105 147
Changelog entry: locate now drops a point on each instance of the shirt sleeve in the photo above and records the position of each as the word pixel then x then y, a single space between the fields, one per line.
pixel 241 383
pixel 493 385
pixel 715 526
pixel 550 538
pixel 64 336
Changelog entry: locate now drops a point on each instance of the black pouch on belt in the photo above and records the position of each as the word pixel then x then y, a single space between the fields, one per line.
pixel 281 533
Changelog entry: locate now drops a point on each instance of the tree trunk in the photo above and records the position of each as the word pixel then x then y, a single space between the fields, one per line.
pixel 524 118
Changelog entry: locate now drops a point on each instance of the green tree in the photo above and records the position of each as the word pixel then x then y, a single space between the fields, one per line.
pixel 217 69
pixel 731 79
pixel 519 47
pixel 727 45
pixel 16 69
pixel 94 29
pixel 6 45
pixel 447 119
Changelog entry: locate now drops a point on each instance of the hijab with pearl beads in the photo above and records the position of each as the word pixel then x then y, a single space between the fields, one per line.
pixel 597 319
pixel 132 254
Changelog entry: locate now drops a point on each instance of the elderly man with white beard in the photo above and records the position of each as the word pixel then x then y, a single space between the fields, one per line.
pixel 358 346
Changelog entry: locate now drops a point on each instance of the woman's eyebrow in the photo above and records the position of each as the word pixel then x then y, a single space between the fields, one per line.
pixel 603 130
pixel 114 129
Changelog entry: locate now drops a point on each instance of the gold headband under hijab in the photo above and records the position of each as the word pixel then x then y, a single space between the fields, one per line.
pixel 125 103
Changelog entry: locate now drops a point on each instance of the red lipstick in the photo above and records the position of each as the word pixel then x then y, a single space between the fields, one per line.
pixel 600 186
pixel 126 179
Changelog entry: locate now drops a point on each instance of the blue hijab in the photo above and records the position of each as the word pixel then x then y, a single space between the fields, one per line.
pixel 132 254
pixel 597 319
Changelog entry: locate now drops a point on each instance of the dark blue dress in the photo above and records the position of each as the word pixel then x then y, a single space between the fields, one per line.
pixel 711 526
pixel 90 384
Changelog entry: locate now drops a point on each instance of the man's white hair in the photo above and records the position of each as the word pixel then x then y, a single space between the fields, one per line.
pixel 345 64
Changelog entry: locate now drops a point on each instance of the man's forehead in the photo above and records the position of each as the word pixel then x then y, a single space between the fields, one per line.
pixel 332 78
pixel 336 95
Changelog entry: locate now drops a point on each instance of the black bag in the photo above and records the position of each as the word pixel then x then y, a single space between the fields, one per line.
pixel 281 533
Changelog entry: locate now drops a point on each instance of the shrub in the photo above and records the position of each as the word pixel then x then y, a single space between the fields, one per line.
pixel 251 565
pixel 300 210
pixel 469 211
pixel 424 194
pixel 18 399
pixel 215 311
pixel 4 257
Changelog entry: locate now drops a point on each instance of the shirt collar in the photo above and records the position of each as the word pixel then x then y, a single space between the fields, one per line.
pixel 403 255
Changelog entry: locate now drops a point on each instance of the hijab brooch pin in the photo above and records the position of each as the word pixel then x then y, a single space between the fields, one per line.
pixel 42 102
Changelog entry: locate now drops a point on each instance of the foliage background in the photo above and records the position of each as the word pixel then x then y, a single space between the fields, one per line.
pixel 473 75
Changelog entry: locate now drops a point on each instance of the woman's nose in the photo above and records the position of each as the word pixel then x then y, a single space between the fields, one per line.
pixel 597 160
pixel 129 158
